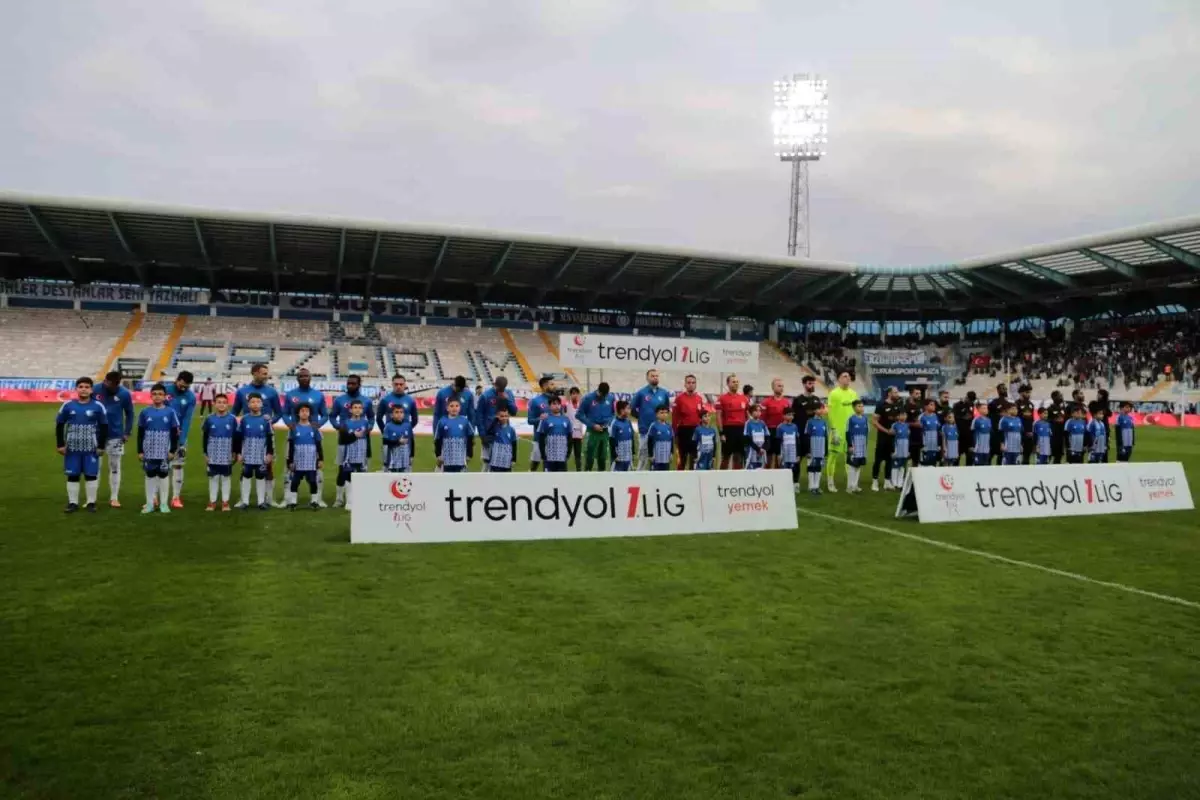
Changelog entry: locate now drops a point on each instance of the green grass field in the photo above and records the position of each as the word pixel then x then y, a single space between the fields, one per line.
pixel 257 654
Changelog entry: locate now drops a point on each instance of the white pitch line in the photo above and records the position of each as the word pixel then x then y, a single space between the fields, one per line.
pixel 1179 601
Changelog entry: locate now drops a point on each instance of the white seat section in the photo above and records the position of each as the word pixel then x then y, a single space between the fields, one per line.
pixel 540 357
pixel 150 338
pixel 57 343
pixel 437 354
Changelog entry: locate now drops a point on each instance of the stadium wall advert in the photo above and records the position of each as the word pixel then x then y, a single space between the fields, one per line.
pixel 596 351
pixel 894 358
pixel 984 493
pixel 414 508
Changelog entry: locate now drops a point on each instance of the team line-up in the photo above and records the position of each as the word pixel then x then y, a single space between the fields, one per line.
pixel 646 432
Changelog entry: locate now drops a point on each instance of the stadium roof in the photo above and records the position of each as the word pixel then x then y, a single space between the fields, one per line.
pixel 87 240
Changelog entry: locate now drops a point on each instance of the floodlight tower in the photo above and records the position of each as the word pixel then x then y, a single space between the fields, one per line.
pixel 801 125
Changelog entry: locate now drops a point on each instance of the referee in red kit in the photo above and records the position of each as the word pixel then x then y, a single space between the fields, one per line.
pixel 685 418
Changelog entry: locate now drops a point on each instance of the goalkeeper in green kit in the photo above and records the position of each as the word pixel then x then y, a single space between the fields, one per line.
pixel 841 408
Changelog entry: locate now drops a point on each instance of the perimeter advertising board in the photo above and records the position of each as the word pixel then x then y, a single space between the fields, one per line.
pixel 981 493
pixel 597 351
pixel 426 507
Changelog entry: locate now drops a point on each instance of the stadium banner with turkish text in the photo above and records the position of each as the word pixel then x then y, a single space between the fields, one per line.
pixel 598 351
pixel 986 493
pixel 430 507
pixel 100 292
pixel 894 358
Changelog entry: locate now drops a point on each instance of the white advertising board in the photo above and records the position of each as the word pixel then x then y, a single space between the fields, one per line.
pixel 598 351
pixel 981 493
pixel 437 507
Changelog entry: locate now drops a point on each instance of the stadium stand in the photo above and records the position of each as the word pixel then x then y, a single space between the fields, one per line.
pixel 52 343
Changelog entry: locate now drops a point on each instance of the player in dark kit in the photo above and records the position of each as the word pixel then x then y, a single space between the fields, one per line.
pixel 1025 412
pixel 1056 415
pixel 997 408
pixel 804 408
pixel 885 414
pixel 964 416
pixel 913 408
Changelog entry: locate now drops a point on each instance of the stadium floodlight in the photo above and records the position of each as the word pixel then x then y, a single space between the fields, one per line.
pixel 800 123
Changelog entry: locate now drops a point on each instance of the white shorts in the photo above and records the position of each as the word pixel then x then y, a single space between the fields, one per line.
pixel 114 448
pixel 535 454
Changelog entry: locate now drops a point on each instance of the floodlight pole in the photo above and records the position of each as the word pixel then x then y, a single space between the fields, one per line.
pixel 798 219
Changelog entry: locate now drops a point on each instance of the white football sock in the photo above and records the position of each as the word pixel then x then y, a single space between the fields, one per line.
pixel 320 493
pixel 270 484
pixel 73 492
pixel 91 488
pixel 214 485
pixel 178 480
pixel 348 486
pixel 341 494
pixel 262 491
pixel 151 489
pixel 114 476
pixel 164 490
pixel 245 499
pixel 226 488
pixel 852 475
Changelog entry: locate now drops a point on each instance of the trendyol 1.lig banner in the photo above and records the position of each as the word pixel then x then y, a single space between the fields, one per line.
pixel 411 508
pixel 980 493
pixel 598 351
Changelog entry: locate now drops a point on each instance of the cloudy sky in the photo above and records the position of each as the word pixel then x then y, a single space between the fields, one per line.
pixel 957 128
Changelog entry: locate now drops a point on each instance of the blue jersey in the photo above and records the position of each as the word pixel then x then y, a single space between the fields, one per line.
pixel 857 430
pixel 255 439
pixel 789 443
pixel 184 403
pixel 705 438
pixel 1074 430
pixel 158 432
pixel 383 410
pixel 490 403
pixel 596 410
pixel 354 450
pixel 84 426
pixel 1099 432
pixel 504 447
pixel 950 441
pixel 982 428
pixel 1042 433
pixel 661 441
pixel 451 439
pixel 818 434
pixel 1125 426
pixel 298 397
pixel 466 403
pixel 118 407
pixel 340 410
pixel 900 431
pixel 756 432
pixel 272 406
pixel 621 431
pixel 645 404
pixel 397 456
pixel 1010 430
pixel 554 436
pixel 930 427
pixel 304 447
pixel 217 432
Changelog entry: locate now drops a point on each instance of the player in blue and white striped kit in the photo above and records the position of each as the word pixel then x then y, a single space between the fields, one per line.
pixel 950 453
pixel 788 437
pixel 181 398
pixel 817 432
pixel 1099 433
pixel 660 440
pixel 1043 437
pixel 981 428
pixel 118 403
pixel 857 432
pixel 494 398
pixel 80 431
pixel 305 457
pixel 305 395
pixel 1011 432
pixel 504 444
pixel 353 437
pixel 931 428
pixel 157 442
pixel 554 437
pixel 757 436
pixel 254 447
pixel 397 456
pixel 705 437
pixel 1125 434
pixel 644 406
pixel 339 410
pixel 1075 434
pixel 217 433
pixel 454 439
pixel 620 438
pixel 271 407
pixel 900 453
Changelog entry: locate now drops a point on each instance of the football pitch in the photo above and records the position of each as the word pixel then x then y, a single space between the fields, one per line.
pixel 259 654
